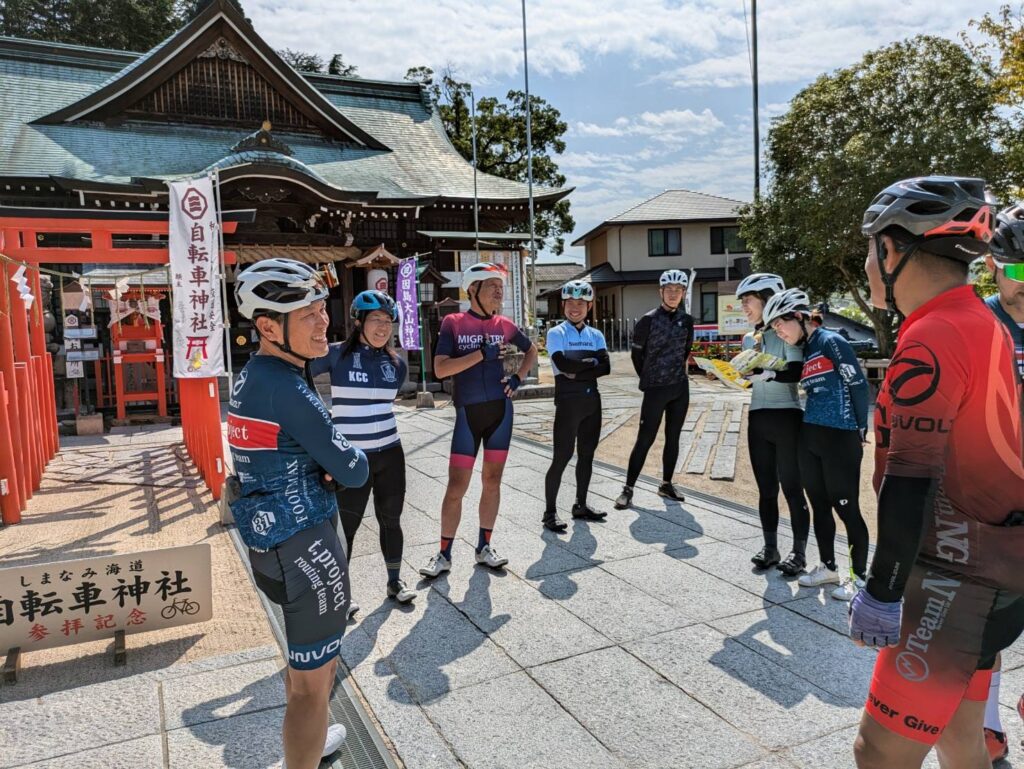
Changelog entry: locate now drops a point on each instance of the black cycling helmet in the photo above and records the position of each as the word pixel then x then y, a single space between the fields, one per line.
pixel 949 213
pixel 1007 245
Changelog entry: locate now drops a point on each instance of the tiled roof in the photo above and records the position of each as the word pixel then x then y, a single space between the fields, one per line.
pixel 557 273
pixel 40 78
pixel 673 206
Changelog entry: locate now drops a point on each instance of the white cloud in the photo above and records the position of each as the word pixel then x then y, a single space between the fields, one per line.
pixel 670 126
pixel 800 39
pixel 386 37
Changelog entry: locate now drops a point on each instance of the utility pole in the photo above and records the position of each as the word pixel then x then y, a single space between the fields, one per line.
pixel 757 117
pixel 529 180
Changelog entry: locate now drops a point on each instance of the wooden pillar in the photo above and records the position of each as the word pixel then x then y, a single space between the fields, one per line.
pixel 19 480
pixel 10 497
pixel 47 396
pixel 28 399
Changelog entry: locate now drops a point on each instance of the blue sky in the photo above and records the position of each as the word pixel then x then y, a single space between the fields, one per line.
pixel 656 93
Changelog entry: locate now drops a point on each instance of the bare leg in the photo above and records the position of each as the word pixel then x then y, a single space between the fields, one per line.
pixel 305 717
pixel 962 744
pixel 451 506
pixel 490 496
pixel 878 748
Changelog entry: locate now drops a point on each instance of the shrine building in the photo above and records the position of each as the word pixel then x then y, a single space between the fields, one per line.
pixel 342 172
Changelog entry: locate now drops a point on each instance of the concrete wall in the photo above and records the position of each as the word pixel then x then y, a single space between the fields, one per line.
pixel 696 247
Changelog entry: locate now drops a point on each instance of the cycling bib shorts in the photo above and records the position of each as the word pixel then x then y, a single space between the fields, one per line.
pixel 489 423
pixel 952 630
pixel 307 576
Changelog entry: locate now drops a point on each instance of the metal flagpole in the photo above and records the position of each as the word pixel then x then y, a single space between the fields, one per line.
pixel 529 178
pixel 476 200
pixel 223 282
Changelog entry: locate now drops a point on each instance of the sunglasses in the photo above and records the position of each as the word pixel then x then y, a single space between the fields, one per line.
pixel 1012 270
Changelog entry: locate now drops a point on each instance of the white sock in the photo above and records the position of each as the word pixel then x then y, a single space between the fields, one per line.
pixel 992 706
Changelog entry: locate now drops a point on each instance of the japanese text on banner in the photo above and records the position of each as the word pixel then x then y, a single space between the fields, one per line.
pixel 194 243
pixel 406 296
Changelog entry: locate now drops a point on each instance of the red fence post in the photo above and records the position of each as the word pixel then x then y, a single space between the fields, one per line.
pixel 10 497
pixel 20 476
pixel 24 414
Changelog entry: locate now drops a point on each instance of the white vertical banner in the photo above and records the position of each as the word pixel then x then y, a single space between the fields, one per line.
pixel 194 243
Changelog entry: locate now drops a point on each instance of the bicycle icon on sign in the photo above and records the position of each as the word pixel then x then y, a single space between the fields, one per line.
pixel 180 606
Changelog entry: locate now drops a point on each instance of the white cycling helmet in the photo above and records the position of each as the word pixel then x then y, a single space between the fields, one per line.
pixel 785 303
pixel 758 282
pixel 578 289
pixel 277 285
pixel 481 271
pixel 674 278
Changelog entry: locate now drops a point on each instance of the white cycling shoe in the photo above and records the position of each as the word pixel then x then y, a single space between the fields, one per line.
pixel 335 737
pixel 489 557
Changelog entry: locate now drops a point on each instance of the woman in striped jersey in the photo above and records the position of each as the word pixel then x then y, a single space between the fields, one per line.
pixel 365 376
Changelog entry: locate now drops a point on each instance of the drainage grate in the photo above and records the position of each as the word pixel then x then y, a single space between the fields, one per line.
pixel 363 748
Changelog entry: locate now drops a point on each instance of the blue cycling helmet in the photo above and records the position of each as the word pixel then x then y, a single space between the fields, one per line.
pixel 368 301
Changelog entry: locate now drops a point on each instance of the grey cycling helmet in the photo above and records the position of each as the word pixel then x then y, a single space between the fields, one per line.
pixel 948 213
pixel 787 302
pixel 1007 245
pixel 673 278
pixel 578 289
pixel 760 282
pixel 277 286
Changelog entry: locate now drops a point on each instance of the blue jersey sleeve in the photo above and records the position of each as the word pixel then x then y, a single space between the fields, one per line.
pixel 307 421
pixel 555 341
pixel 446 338
pixel 319 366
pixel 846 363
pixel 601 344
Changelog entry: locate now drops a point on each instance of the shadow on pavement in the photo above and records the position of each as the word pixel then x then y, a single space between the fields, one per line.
pixel 445 633
pixel 41 680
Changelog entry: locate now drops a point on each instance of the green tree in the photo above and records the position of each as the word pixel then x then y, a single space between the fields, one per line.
pixel 501 141
pixel 127 25
pixel 983 280
pixel 302 61
pixel 339 67
pixel 916 107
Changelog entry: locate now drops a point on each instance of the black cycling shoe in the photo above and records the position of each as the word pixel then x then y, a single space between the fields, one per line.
pixel 669 491
pixel 587 514
pixel 766 557
pixel 625 498
pixel 794 564
pixel 553 523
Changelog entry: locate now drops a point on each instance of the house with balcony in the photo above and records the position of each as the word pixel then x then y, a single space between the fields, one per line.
pixel 679 229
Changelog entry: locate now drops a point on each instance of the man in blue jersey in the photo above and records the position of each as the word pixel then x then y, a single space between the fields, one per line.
pixel 1005 261
pixel 289 457
pixel 579 356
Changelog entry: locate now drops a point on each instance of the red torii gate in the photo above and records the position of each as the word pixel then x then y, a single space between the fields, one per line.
pixel 28 415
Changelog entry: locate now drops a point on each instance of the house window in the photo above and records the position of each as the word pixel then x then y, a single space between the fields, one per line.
pixel 664 242
pixel 727 238
pixel 708 307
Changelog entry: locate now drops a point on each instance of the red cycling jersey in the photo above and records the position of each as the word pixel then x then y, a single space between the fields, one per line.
pixel 950 408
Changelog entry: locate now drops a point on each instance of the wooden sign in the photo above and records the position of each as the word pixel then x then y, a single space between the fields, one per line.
pixel 69 602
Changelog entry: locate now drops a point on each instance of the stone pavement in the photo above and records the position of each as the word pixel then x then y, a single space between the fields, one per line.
pixel 710 436
pixel 647 641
